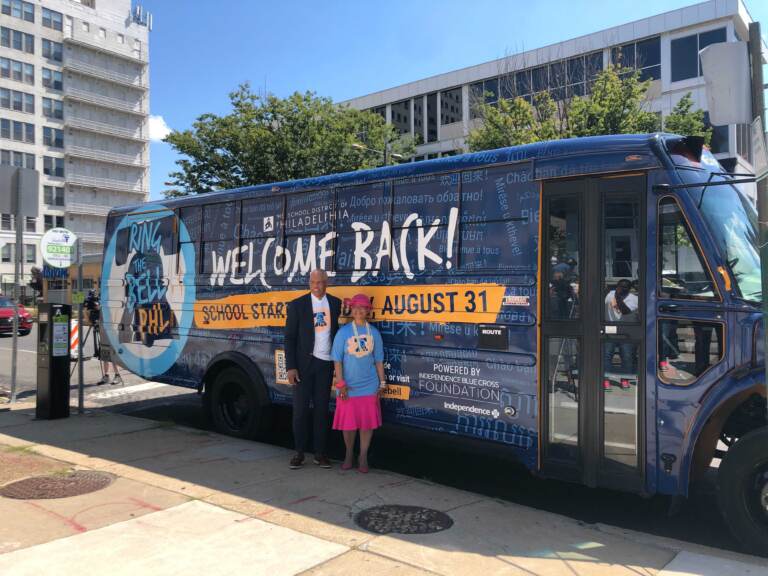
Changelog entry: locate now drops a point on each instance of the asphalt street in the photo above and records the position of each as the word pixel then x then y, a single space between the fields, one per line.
pixel 697 519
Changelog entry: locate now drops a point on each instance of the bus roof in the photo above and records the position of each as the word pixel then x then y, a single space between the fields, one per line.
pixel 537 151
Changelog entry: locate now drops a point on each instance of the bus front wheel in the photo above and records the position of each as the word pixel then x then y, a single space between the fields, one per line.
pixel 235 405
pixel 742 490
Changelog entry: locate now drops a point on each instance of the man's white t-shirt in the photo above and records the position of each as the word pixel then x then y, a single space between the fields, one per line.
pixel 321 319
pixel 630 300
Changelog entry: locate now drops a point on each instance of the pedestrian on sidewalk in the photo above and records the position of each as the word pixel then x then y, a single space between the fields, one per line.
pixel 311 323
pixel 92 305
pixel 358 355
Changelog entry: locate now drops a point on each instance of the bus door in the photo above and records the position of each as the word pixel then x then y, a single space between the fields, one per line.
pixel 592 330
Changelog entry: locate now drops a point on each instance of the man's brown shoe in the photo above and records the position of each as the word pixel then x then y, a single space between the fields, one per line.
pixel 297 461
pixel 322 461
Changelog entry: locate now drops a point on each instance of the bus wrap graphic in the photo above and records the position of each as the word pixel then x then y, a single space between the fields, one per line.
pixel 155 315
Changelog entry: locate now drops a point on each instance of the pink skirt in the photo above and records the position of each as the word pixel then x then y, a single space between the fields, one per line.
pixel 357 413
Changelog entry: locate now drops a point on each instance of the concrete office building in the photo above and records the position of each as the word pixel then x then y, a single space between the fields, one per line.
pixel 74 104
pixel 439 110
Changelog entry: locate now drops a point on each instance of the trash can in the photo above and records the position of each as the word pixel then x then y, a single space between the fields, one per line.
pixel 53 321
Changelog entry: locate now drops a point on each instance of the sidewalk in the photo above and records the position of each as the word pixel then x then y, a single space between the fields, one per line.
pixel 186 501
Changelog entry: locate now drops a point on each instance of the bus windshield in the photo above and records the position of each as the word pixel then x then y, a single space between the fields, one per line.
pixel 733 222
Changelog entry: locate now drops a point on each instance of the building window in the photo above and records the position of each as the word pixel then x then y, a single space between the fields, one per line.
pixel 53 79
pixel 20 159
pixel 6 222
pixel 103 33
pixel 51 221
pixel 17 101
pixel 53 137
pixel 53 195
pixel 30 224
pixel 53 108
pixel 644 56
pixel 52 19
pixel 19 9
pixel 6 253
pixel 30 253
pixel 19 131
pixel 432 117
pixel 418 119
pixel 53 166
pixel 18 71
pixel 450 106
pixel 52 50
pixel 685 53
pixel 120 39
pixel 401 116
pixel 85 26
pixel 10 38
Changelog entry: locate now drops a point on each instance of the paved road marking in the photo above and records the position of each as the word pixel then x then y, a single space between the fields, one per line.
pixel 125 390
pixel 20 350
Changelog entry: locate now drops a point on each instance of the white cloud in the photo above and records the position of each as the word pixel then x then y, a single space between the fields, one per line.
pixel 158 129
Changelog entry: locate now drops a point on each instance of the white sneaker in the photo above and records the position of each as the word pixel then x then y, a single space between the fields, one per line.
pixel 117 380
pixel 104 380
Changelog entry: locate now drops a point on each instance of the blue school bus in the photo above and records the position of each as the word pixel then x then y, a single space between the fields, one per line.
pixel 590 305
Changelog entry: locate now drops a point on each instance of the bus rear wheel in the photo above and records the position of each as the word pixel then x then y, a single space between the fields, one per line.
pixel 742 490
pixel 235 405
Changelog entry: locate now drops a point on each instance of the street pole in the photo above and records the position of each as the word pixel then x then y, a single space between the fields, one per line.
pixel 756 59
pixel 16 291
pixel 80 385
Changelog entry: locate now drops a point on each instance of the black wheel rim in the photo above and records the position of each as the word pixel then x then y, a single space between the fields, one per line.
pixel 234 405
pixel 757 494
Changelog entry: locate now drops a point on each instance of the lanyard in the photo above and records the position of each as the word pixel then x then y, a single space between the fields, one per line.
pixel 368 339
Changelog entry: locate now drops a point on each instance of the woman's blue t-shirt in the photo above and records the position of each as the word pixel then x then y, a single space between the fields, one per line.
pixel 357 358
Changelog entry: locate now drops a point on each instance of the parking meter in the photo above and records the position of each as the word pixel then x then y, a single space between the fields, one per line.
pixel 53 361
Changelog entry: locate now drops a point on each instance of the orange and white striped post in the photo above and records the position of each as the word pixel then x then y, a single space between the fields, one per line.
pixel 74 339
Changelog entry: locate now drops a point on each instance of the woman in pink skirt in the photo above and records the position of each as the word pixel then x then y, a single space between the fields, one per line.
pixel 358 355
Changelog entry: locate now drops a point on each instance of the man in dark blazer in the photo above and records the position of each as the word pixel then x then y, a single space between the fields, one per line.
pixel 312 322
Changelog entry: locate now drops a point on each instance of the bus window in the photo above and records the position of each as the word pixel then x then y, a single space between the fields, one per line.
pixel 368 204
pixel 309 212
pixel 262 218
pixel 687 349
pixel 220 226
pixel 363 211
pixel 563 230
pixel 621 262
pixel 682 272
pixel 498 193
pixel 497 205
pixel 429 198
pixel 192 218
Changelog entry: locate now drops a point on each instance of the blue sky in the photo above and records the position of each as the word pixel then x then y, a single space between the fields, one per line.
pixel 202 50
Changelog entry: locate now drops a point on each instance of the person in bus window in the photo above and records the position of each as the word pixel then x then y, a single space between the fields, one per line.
pixel 620 306
pixel 311 323
pixel 358 355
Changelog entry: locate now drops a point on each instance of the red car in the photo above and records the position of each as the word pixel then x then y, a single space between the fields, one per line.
pixel 6 318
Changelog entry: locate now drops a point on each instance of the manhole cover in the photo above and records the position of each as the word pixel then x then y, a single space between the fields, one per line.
pixel 402 520
pixel 57 485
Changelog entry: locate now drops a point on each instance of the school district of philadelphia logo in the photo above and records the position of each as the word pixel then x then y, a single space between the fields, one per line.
pixel 146 317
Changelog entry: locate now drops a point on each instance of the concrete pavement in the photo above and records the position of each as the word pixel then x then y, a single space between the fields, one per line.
pixel 197 502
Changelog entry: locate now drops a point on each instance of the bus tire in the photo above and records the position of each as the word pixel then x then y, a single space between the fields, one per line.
pixel 235 406
pixel 742 490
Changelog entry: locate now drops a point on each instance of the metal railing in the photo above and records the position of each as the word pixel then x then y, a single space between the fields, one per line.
pixel 103 156
pixel 75 36
pixel 82 67
pixel 105 101
pixel 106 183
pixel 104 128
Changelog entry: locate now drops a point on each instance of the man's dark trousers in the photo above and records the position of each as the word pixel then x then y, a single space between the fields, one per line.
pixel 315 386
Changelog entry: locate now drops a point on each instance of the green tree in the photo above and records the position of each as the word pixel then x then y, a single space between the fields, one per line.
pixel 270 139
pixel 685 121
pixel 615 105
pixel 514 122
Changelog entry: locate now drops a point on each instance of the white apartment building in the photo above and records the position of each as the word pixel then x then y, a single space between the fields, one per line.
pixel 74 105
pixel 439 110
